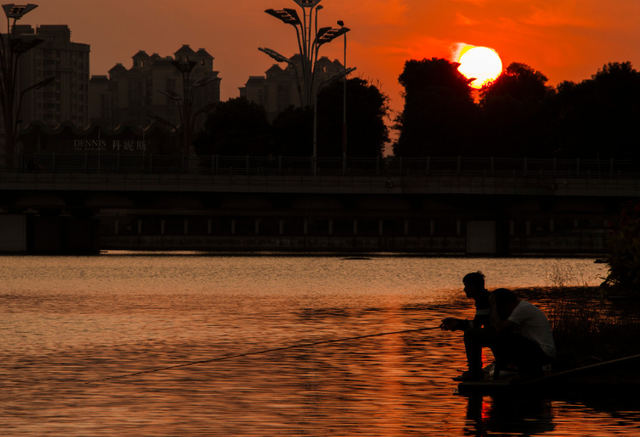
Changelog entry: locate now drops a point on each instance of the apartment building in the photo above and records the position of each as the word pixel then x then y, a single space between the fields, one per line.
pixel 278 88
pixel 137 95
pixel 66 99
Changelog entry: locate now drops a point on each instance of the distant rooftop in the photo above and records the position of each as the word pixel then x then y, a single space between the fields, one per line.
pixel 185 50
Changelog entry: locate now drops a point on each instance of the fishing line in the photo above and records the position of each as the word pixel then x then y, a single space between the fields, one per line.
pixel 264 351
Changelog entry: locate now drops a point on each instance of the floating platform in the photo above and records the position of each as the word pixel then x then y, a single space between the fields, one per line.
pixel 618 377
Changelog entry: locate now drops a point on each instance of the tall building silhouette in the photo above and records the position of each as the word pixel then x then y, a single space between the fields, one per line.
pixel 130 96
pixel 67 98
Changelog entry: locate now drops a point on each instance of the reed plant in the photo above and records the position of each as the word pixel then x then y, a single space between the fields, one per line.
pixel 588 327
pixel 562 274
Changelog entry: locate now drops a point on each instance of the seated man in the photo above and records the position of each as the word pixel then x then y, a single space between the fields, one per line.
pixel 524 336
pixel 478 333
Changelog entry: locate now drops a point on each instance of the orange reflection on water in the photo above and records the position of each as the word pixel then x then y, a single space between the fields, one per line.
pixel 63 334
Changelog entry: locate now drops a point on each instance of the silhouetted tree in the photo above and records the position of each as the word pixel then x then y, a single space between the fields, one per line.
pixel 367 109
pixel 293 132
pixel 439 113
pixel 598 117
pixel 515 119
pixel 234 128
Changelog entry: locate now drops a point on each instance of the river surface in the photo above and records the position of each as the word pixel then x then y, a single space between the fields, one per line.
pixel 134 344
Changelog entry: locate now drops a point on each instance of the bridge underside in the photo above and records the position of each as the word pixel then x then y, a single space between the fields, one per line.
pixel 394 218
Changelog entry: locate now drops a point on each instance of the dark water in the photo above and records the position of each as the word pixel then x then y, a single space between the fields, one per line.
pixel 74 330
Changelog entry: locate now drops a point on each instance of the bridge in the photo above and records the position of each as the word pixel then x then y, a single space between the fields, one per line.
pixel 85 203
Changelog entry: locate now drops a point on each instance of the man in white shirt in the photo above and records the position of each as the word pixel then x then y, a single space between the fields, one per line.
pixel 524 334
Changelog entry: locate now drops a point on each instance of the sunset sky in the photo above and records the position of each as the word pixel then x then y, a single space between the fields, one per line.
pixel 564 39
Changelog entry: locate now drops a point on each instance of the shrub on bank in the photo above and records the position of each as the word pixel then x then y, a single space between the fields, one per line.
pixel 623 279
pixel 589 328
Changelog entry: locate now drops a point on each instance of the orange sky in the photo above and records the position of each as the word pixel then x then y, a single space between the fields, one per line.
pixel 564 39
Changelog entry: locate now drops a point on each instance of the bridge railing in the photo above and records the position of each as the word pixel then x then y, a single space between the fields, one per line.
pixel 281 165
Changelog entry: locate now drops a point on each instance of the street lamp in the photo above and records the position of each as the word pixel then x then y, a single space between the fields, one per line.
pixel 344 98
pixel 36 86
pixel 338 75
pixel 17 11
pixel 11 48
pixel 310 40
pixel 185 102
pixel 280 58
pixel 323 36
pixel 185 68
pixel 276 56
pixel 165 122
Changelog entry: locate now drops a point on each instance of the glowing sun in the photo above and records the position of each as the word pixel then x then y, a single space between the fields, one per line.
pixel 480 63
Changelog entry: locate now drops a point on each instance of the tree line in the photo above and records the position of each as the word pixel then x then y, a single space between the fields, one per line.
pixel 517 115
pixel 239 127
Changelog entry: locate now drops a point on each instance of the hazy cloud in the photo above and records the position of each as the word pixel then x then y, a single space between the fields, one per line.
pixel 463 20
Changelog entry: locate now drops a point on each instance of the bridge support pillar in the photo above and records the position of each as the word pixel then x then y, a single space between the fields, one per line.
pixel 49 233
pixel 13 233
pixel 63 235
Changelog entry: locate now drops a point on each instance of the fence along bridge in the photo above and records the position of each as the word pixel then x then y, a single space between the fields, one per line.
pixel 430 175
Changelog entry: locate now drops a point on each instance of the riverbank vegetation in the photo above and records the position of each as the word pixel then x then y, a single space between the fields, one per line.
pixel 623 280
pixel 597 324
pixel 588 327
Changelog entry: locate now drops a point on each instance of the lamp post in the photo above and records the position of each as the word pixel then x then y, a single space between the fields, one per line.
pixel 280 58
pixel 36 86
pixel 185 103
pixel 310 39
pixel 11 48
pixel 338 75
pixel 185 68
pixel 344 99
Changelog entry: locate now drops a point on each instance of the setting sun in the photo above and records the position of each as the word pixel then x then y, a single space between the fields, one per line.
pixel 480 63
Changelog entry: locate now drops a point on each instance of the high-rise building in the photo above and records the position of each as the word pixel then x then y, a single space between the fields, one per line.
pixel 66 98
pixel 134 96
pixel 278 88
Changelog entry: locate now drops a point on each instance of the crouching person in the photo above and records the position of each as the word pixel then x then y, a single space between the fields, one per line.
pixel 523 334
pixel 478 333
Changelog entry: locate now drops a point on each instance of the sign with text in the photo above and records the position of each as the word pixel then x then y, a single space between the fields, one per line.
pixel 131 146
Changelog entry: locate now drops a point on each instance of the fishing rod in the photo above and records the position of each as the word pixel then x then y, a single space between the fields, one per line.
pixel 264 351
